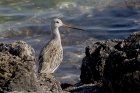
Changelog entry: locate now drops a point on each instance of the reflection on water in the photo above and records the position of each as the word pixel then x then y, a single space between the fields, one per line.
pixel 29 20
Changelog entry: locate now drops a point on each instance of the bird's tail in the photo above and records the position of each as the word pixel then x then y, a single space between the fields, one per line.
pixel 38 67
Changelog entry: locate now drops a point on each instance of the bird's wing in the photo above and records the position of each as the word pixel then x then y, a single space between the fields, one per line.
pixel 51 53
pixel 46 49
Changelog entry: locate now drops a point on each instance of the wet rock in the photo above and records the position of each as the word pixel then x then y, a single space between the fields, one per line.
pixel 65 85
pixel 114 65
pixel 84 88
pixel 17 71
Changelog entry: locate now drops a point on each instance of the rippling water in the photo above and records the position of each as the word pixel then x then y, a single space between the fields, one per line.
pixel 29 20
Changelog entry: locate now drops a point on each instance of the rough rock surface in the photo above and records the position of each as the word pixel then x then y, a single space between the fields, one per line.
pixel 17 71
pixel 114 65
pixel 82 88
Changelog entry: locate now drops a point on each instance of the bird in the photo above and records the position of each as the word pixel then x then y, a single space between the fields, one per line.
pixel 51 55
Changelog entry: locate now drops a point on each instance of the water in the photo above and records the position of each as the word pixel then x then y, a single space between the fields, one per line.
pixel 29 20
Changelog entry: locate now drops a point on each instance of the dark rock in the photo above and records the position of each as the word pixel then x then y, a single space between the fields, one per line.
pixel 18 71
pixel 8 66
pixel 85 88
pixel 65 85
pixel 114 65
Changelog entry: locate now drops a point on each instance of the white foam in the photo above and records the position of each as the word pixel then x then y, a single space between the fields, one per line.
pixel 67 5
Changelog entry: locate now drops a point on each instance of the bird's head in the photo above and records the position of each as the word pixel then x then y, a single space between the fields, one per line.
pixel 58 23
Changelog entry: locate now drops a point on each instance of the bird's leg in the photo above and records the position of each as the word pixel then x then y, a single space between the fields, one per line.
pixel 49 75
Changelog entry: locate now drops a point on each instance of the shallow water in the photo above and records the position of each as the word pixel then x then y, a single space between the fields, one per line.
pixel 29 20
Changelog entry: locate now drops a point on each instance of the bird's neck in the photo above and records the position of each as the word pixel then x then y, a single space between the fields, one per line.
pixel 56 34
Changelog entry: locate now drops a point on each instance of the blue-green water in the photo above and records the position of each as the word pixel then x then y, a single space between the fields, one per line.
pixel 29 20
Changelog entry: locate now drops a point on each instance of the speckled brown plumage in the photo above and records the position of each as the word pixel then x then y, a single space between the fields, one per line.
pixel 50 57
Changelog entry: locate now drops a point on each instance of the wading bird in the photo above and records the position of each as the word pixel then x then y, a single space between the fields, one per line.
pixel 51 55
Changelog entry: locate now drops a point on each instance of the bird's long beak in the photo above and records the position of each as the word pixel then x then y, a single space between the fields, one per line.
pixel 72 27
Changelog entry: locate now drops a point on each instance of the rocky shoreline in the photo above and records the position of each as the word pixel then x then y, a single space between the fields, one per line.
pixel 108 67
pixel 17 71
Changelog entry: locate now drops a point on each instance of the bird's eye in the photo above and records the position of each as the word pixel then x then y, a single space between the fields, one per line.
pixel 57 22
